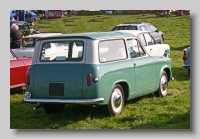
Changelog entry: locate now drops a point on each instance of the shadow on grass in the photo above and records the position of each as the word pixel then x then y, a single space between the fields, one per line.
pixel 95 20
pixel 180 74
pixel 70 115
pixel 135 100
pixel 43 22
pixel 44 27
pixel 19 90
pixel 70 25
pixel 179 48
pixel 170 123
pixel 68 20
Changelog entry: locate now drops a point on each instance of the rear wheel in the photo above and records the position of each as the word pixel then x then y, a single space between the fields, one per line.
pixel 116 103
pixel 52 108
pixel 163 86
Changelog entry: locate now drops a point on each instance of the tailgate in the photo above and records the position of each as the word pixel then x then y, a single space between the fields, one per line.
pixel 58 80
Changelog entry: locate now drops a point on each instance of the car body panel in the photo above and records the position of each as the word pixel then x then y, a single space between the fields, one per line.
pixel 72 76
pixel 18 70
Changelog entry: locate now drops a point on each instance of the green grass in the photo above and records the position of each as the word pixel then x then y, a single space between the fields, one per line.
pixel 148 112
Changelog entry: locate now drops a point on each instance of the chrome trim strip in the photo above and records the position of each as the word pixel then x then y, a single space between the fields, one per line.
pixel 80 101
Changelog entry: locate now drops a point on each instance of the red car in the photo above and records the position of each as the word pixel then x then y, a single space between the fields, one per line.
pixel 18 70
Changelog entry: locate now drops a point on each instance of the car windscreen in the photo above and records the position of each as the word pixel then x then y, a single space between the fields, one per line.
pixel 125 28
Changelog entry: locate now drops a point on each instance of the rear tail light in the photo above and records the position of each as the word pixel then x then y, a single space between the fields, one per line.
pixel 184 55
pixel 89 79
pixel 28 78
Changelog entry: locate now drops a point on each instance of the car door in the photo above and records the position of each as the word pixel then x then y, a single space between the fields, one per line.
pixel 17 71
pixel 149 44
pixel 144 67
pixel 154 32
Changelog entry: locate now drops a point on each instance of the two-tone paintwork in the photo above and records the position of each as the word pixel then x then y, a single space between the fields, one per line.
pixel 138 76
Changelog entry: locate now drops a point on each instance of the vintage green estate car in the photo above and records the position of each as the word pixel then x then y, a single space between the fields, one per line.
pixel 94 68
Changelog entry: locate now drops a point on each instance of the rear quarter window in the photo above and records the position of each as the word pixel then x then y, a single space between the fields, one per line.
pixel 112 50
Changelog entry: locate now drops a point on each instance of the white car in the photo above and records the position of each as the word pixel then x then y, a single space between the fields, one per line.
pixel 28 44
pixel 150 45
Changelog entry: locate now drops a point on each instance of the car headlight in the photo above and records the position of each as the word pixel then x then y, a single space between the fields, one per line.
pixel 27 95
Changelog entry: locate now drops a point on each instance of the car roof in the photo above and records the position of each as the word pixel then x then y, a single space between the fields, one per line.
pixel 40 35
pixel 132 23
pixel 135 32
pixel 91 35
pixel 18 22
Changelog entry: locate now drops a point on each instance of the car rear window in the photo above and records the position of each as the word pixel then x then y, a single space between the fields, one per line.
pixel 125 28
pixel 62 51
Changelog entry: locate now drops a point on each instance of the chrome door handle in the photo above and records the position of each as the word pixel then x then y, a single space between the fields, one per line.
pixel 151 48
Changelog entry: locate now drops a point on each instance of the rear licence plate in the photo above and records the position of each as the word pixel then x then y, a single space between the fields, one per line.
pixel 56 89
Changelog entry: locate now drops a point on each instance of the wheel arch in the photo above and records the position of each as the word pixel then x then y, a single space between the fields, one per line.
pixel 125 88
pixel 167 70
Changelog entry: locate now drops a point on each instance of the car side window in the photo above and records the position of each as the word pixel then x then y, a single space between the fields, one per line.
pixel 112 50
pixel 149 39
pixel 28 42
pixel 135 48
pixel 153 28
pixel 142 39
pixel 143 28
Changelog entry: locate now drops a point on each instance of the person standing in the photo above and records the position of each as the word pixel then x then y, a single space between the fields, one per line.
pixel 15 37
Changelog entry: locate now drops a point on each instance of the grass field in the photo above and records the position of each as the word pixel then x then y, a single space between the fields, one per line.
pixel 148 112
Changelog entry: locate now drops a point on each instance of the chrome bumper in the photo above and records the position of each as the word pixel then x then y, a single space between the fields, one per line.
pixel 186 65
pixel 78 101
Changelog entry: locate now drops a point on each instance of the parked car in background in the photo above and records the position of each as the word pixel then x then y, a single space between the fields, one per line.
pixel 28 44
pixel 156 34
pixel 186 59
pixel 95 68
pixel 162 13
pixel 148 42
pixel 182 12
pixel 18 70
pixel 24 27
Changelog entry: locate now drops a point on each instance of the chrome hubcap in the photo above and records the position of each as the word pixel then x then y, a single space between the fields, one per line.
pixel 163 85
pixel 116 100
